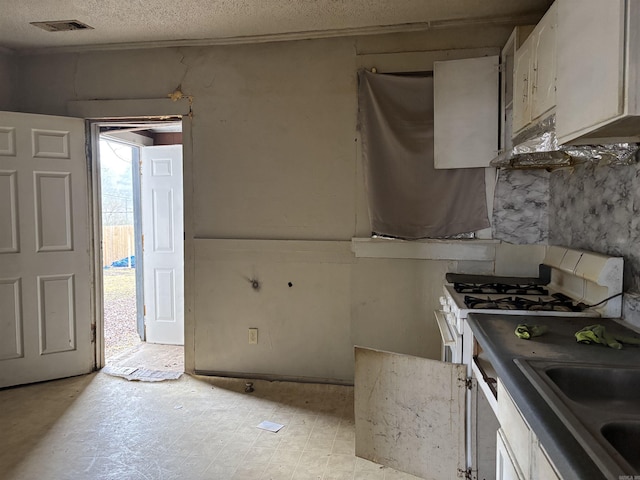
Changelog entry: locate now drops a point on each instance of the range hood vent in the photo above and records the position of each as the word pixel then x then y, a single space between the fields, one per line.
pixel 61 25
pixel 537 147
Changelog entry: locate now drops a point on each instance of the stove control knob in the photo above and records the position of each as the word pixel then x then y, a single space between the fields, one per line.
pixel 443 301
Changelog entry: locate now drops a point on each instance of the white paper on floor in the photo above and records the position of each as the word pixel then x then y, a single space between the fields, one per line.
pixel 270 426
pixel 141 374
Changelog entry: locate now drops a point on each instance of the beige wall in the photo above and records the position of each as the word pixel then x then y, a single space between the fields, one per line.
pixel 276 194
pixel 6 81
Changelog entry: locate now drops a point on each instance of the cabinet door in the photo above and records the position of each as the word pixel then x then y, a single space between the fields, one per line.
pixel 542 466
pixel 543 94
pixel 522 85
pixel 590 38
pixel 409 413
pixel 515 428
pixel 506 469
pixel 466 112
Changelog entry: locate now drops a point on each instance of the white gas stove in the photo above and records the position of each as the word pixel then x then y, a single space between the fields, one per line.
pixel 570 283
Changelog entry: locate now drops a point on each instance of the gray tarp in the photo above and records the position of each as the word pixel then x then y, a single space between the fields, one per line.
pixel 408 198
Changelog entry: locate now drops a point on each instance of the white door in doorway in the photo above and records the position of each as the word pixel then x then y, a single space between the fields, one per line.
pixel 163 240
pixel 45 262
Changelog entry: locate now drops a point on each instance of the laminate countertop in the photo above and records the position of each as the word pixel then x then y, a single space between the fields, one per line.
pixel 495 334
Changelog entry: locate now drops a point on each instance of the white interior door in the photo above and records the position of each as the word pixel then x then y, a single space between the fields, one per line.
pixel 45 262
pixel 409 413
pixel 163 239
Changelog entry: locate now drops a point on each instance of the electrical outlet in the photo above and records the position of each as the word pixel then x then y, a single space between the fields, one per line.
pixel 253 336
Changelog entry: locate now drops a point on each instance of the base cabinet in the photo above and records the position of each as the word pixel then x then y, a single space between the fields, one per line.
pixel 542 467
pixel 506 466
pixel 519 453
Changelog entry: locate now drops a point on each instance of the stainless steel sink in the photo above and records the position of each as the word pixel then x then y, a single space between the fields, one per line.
pixel 615 388
pixel 625 438
pixel 600 405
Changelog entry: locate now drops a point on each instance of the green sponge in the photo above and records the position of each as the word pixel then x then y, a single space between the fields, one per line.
pixel 598 334
pixel 525 331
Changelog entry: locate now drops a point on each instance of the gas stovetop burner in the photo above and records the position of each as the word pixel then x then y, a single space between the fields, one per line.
pixel 506 303
pixel 524 289
pixel 558 303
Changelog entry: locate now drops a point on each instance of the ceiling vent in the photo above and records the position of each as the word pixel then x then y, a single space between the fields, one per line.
pixel 62 25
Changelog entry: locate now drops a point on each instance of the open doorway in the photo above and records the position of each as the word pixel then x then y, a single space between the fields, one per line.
pixel 142 245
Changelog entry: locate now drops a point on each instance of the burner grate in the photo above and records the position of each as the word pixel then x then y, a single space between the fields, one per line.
pixel 502 288
pixel 559 303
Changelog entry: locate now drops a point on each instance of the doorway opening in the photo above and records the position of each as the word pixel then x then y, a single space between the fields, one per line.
pixel 142 245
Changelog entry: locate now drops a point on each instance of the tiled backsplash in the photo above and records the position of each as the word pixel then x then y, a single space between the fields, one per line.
pixel 597 208
pixel 588 207
pixel 521 207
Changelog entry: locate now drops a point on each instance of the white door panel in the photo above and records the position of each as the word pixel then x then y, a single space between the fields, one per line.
pixel 45 264
pixel 162 228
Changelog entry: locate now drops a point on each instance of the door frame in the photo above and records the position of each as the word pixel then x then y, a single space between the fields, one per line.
pixel 96 112
pixel 95 127
pixel 137 215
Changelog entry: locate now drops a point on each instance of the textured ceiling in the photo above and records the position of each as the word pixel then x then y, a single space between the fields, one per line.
pixel 141 22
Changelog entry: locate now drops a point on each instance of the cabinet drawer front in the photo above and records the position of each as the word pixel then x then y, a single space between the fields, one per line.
pixel 516 430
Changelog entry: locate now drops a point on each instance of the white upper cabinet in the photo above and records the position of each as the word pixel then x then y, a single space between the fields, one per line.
pixel 522 86
pixel 535 73
pixel 507 61
pixel 543 96
pixel 598 80
pixel 466 112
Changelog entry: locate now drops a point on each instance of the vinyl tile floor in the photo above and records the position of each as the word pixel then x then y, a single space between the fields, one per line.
pixel 102 427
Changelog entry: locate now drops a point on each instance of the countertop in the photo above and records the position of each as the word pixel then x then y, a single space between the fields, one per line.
pixel 495 333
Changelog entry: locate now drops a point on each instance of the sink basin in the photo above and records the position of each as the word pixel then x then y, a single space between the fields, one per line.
pixel 598 404
pixel 614 388
pixel 625 438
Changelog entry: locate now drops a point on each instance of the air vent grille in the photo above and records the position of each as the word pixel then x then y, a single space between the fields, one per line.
pixel 62 25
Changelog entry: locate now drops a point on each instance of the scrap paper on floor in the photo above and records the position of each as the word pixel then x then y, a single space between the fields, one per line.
pixel 271 426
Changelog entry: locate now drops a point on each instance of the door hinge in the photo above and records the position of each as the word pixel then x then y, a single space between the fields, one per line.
pixel 93 333
pixel 465 473
pixel 144 310
pixel 466 383
pixel 142 241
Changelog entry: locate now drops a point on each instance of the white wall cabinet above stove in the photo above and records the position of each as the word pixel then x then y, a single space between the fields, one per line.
pixel 535 73
pixel 466 112
pixel 507 59
pixel 598 85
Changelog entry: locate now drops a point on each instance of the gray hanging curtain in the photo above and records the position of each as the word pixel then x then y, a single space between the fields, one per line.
pixel 408 198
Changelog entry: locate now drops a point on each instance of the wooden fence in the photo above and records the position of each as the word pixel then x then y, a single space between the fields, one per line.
pixel 117 242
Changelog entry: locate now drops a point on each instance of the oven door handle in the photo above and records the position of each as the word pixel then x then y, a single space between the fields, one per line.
pixel 448 339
